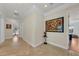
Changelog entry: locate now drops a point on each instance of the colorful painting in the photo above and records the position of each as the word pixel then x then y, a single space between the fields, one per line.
pixel 55 25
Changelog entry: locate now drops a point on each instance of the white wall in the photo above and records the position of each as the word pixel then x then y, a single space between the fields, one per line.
pixel 74 18
pixel 56 38
pixel 2 37
pixel 9 32
pixel 28 29
pixel 39 27
pixel 21 30
pixel 33 27
pixel 75 24
pixel 60 39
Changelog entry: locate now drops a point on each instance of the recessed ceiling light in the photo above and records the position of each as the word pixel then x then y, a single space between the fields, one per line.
pixel 45 5
pixel 16 12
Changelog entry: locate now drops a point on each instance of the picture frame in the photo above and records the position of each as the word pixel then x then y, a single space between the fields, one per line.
pixel 8 26
pixel 55 25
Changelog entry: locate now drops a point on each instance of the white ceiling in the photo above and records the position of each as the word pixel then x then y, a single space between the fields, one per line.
pixel 74 14
pixel 7 9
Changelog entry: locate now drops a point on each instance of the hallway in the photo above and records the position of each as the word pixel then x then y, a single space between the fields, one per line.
pixel 29 22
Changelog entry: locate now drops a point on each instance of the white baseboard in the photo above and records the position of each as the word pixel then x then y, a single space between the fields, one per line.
pixel 38 44
pixel 57 45
pixel 33 45
pixel 28 42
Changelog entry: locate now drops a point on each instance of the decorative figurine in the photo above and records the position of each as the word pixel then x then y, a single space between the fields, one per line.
pixel 45 37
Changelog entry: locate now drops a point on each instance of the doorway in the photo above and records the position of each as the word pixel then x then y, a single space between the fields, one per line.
pixel 74 31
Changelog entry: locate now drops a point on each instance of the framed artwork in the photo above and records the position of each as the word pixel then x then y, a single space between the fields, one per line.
pixel 8 26
pixel 55 25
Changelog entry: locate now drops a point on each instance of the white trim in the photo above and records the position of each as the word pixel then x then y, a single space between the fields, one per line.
pixel 28 42
pixel 38 44
pixel 57 45
pixel 33 45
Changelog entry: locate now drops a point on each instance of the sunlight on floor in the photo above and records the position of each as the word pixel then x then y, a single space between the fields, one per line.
pixel 74 44
pixel 15 43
